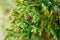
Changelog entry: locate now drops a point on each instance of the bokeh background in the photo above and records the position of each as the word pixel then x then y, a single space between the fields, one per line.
pixel 5 7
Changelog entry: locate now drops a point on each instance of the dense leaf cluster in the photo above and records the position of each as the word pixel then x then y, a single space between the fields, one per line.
pixel 34 20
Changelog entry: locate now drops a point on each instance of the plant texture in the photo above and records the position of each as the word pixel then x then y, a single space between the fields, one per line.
pixel 34 20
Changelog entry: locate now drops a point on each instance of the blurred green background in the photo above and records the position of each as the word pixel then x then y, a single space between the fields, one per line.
pixel 5 7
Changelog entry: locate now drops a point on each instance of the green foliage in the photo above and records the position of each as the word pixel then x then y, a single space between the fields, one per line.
pixel 33 20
